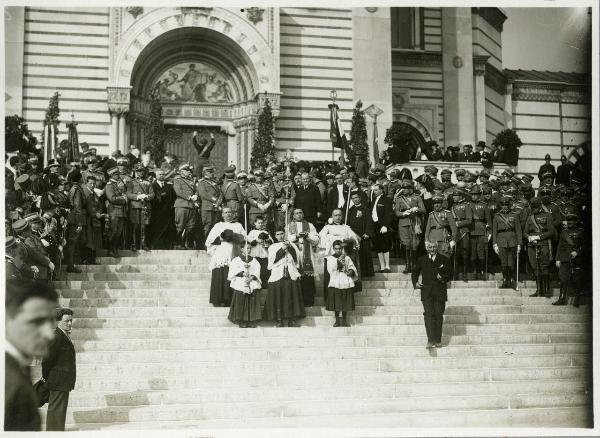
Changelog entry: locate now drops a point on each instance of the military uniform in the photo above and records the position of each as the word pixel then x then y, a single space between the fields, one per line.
pixel 506 235
pixel 185 206
pixel 211 196
pixel 441 228
pixel 116 207
pixel 569 255
pixel 232 193
pixel 482 224
pixel 33 249
pixel 408 208
pixel 139 209
pixel 261 194
pixel 539 232
pixel 463 216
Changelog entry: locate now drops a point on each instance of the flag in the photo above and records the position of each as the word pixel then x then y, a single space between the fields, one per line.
pixel 375 141
pixel 336 131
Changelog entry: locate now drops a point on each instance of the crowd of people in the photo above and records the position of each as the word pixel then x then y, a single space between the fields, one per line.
pixel 269 228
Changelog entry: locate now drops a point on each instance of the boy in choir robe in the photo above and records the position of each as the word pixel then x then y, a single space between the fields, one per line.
pixel 359 219
pixel 304 235
pixel 244 278
pixel 220 246
pixel 333 231
pixel 284 292
pixel 340 288
pixel 259 240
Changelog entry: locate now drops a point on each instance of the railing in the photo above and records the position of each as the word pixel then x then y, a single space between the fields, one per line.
pixel 418 167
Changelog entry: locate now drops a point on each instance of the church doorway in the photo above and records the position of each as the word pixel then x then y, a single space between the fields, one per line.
pixel 179 141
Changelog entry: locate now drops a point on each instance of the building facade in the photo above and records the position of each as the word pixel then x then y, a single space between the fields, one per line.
pixel 437 70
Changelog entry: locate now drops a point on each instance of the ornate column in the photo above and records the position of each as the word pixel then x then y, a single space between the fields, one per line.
pixel 479 62
pixel 118 105
pixel 114 130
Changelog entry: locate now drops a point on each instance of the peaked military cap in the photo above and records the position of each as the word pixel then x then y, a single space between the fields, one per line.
pixel 446 172
pixel 20 226
pixel 10 242
pixel 547 175
pixel 475 190
pixel 431 170
pixel 186 166
pixel 112 171
pixel 527 178
pixel 229 171
pixel 460 172
pixel 406 185
pixel 437 198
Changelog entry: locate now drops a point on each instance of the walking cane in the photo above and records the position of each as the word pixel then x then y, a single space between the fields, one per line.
pixel 517 284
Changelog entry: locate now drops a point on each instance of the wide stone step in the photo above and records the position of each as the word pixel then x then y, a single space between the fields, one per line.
pixel 260 409
pixel 218 316
pixel 180 328
pixel 412 307
pixel 375 295
pixel 439 378
pixel 193 343
pixel 154 369
pixel 574 417
pixel 219 379
pixel 104 398
pixel 158 355
pixel 199 275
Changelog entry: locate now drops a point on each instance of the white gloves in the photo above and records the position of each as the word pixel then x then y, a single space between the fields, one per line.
pixel 496 249
pixel 384 230
pixel 452 243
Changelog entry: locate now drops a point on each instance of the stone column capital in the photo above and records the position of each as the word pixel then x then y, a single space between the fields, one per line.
pixel 119 99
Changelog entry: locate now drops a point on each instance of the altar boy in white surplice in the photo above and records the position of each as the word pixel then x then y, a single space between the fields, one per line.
pixel 332 232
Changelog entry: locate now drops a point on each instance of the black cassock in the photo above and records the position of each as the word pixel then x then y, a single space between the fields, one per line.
pixel 361 222
pixel 162 220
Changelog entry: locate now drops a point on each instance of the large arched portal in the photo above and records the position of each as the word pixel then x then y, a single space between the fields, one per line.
pixel 211 70
pixel 203 80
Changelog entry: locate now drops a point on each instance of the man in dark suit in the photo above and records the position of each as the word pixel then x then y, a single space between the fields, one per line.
pixel 29 329
pixel 58 369
pixel 437 271
pixel 308 199
pixel 337 196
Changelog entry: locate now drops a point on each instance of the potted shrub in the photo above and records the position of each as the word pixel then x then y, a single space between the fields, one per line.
pixel 511 142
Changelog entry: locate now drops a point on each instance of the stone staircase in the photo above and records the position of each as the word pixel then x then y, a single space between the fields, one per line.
pixel 153 353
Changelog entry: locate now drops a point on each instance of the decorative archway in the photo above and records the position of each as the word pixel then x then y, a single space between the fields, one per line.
pixel 232 27
pixel 416 123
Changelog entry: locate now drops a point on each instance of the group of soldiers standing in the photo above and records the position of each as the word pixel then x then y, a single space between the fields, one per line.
pixel 481 220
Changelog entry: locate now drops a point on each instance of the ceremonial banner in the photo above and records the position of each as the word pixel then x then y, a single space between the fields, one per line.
pixel 337 134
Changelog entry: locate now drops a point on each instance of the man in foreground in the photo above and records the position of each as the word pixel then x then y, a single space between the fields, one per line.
pixel 29 327
pixel 58 369
pixel 437 271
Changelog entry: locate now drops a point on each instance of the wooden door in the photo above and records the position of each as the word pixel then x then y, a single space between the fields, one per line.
pixel 178 140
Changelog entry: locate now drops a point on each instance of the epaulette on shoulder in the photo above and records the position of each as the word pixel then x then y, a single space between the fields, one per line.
pixel 447 211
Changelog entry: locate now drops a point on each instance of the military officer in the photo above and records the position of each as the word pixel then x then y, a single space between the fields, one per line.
pixel 260 197
pixel 94 171
pixel 539 232
pixel 441 227
pixel 480 233
pixel 409 208
pixel 185 206
pixel 570 258
pixel 140 194
pixel 116 207
pixel 210 197
pixel 232 194
pixel 506 237
pixel 463 216
pixel 36 253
